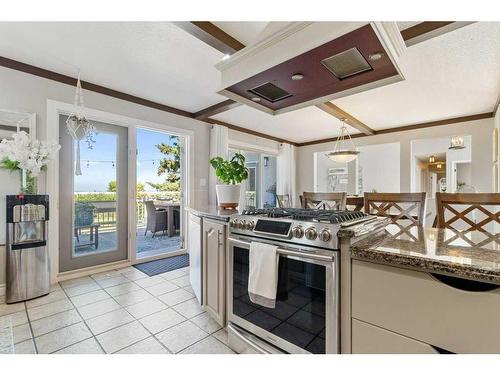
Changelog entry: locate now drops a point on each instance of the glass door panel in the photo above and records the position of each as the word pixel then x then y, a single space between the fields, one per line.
pixel 158 205
pixel 93 205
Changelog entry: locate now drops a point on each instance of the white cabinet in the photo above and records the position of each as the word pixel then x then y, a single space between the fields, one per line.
pixel 195 255
pixel 214 270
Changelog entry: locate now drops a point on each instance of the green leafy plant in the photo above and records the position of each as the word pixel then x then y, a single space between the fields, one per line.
pixel 232 171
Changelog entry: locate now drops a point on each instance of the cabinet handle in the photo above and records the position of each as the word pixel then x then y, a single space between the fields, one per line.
pixel 219 238
pixel 464 284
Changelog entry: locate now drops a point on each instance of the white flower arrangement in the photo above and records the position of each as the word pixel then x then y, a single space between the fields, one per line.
pixel 21 152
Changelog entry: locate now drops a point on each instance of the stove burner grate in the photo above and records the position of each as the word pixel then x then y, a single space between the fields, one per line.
pixel 329 216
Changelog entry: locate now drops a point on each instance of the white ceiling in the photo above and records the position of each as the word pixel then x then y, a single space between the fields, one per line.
pixel 153 60
pixel 455 74
pixel 301 125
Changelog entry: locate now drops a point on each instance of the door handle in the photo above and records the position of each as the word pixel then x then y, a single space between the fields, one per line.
pixel 219 238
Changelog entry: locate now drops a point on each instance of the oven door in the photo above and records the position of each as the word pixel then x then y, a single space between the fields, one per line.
pixel 305 319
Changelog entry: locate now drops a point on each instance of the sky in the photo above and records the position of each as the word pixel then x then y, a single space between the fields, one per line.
pixel 99 170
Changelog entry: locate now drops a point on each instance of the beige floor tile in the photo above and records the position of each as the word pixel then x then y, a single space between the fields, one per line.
pixel 55 287
pixel 54 322
pixel 161 320
pixel 161 288
pixel 181 281
pixel 81 289
pixel 176 297
pixel 126 269
pixel 21 333
pixel 150 281
pixel 185 270
pixel 110 320
pixel 221 335
pixel 206 323
pixel 133 297
pixel 173 274
pixel 98 308
pixel 61 338
pixel 122 289
pixel 105 275
pixel 17 318
pixel 209 345
pixel 144 308
pixel 12 308
pixel 147 346
pixel 48 309
pixel 85 299
pixel 135 274
pixel 85 280
pixel 189 308
pixel 112 281
pixel 189 289
pixel 51 297
pixel 25 347
pixel 181 336
pixel 88 346
pixel 121 337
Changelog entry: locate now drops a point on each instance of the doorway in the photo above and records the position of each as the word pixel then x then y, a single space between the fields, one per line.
pixel 159 186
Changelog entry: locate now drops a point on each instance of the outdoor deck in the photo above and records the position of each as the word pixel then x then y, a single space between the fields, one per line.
pixel 145 245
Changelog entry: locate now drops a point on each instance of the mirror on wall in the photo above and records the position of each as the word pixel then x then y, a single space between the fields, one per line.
pixel 364 174
pixel 10 122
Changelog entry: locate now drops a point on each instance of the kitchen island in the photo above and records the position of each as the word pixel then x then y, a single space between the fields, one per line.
pixel 420 290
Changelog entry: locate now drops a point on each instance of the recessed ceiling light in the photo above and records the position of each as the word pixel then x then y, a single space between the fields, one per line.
pixel 256 99
pixel 297 77
pixel 226 56
pixel 375 56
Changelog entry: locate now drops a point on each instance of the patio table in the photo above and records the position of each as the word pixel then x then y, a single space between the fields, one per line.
pixel 170 208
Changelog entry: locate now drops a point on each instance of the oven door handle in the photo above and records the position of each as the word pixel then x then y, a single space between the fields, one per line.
pixel 290 252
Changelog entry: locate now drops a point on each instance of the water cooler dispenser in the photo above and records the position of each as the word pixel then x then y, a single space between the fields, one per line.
pixel 27 254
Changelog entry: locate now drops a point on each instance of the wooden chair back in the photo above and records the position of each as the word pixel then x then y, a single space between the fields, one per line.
pixel 460 206
pixel 355 203
pixel 397 206
pixel 283 200
pixel 324 201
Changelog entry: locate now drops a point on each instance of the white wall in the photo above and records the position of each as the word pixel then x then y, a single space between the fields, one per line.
pixel 480 130
pixel 28 93
pixel 380 167
pixel 497 125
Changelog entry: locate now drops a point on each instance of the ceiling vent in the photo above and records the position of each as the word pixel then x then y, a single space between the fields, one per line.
pixel 270 92
pixel 346 64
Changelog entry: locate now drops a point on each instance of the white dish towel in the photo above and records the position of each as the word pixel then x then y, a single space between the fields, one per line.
pixel 263 274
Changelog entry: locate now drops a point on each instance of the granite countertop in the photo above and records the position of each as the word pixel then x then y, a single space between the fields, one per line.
pixel 212 212
pixel 474 255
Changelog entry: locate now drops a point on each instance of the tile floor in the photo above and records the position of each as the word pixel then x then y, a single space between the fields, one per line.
pixel 122 311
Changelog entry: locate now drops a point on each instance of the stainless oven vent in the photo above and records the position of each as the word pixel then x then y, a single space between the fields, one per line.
pixel 346 64
pixel 270 92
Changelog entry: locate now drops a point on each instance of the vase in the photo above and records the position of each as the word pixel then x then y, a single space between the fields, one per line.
pixel 28 182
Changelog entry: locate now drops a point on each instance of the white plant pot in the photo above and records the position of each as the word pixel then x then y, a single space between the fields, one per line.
pixel 228 196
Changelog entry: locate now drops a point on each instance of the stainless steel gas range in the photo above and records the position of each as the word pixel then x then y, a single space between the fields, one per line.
pixel 306 316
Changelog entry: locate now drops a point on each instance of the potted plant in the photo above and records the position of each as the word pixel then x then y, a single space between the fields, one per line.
pixel 231 173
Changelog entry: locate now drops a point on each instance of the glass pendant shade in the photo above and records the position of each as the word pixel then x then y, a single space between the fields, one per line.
pixel 456 143
pixel 432 159
pixel 344 150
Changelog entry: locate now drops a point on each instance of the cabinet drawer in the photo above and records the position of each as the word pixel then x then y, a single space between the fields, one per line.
pixel 417 305
pixel 368 339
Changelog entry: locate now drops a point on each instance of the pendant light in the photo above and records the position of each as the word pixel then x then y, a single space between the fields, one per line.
pixel 78 126
pixel 432 159
pixel 456 143
pixel 344 150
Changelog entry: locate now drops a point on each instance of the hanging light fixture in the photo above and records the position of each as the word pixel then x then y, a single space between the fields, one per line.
pixel 78 126
pixel 342 153
pixel 439 165
pixel 457 143
pixel 432 159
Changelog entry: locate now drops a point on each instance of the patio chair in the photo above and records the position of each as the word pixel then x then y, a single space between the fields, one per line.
pixel 156 219
pixel 84 219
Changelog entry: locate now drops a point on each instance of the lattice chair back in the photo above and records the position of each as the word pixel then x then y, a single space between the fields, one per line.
pixel 324 201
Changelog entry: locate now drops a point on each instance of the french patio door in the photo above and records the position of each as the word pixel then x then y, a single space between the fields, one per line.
pixel 93 206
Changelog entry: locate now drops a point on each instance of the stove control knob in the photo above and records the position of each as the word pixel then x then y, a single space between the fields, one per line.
pixel 311 233
pixel 249 225
pixel 298 232
pixel 233 223
pixel 241 224
pixel 325 235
